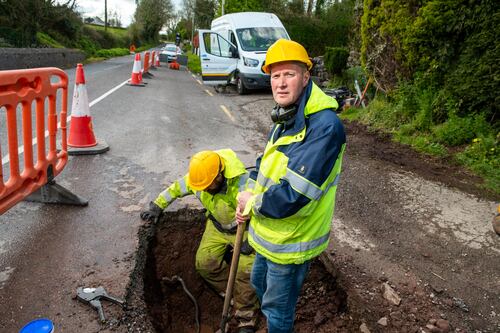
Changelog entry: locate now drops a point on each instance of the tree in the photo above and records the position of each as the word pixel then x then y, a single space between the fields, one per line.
pixel 114 19
pixel 204 13
pixel 151 15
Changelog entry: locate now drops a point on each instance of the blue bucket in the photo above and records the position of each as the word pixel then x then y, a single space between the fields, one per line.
pixel 38 326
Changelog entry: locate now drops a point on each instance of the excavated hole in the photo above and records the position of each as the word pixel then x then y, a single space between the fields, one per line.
pixel 172 252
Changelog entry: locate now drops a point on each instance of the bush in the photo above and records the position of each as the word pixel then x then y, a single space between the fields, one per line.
pixel 194 63
pixel 45 40
pixel 450 46
pixel 109 53
pixel 336 59
pixel 88 45
pixel 10 37
pixel 458 131
pixel 483 157
pixel 144 47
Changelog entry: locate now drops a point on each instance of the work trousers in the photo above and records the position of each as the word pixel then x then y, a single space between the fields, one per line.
pixel 211 266
pixel 278 288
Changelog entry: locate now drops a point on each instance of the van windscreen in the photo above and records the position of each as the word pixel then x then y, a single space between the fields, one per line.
pixel 259 39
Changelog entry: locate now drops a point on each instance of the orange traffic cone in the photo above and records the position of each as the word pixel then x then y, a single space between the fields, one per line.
pixel 136 78
pixel 153 57
pixel 81 140
pixel 158 60
pixel 174 65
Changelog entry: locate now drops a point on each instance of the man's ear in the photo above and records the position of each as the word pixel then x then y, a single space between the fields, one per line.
pixel 306 78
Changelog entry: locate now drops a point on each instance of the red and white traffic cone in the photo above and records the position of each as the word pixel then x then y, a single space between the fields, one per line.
pixel 136 78
pixel 81 139
pixel 158 60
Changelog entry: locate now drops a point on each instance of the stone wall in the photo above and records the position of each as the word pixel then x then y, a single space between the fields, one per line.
pixel 22 58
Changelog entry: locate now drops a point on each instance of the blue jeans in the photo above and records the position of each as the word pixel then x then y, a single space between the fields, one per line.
pixel 278 288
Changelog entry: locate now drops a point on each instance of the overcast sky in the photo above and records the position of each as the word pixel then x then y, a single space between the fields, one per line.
pixel 125 8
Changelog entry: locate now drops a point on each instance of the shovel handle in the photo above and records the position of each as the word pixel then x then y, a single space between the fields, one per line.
pixel 232 274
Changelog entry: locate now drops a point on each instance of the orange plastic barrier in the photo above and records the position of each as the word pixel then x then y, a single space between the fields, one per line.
pixel 153 54
pixel 23 87
pixel 146 62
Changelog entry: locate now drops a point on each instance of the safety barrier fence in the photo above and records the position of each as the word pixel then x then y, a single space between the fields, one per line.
pixel 25 88
pixel 146 62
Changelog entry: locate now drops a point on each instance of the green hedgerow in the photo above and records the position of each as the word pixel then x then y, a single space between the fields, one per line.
pixel 457 131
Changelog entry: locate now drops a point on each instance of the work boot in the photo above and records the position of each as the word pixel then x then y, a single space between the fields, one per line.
pixel 496 221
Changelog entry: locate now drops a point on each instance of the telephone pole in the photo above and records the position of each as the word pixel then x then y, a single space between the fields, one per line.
pixel 105 15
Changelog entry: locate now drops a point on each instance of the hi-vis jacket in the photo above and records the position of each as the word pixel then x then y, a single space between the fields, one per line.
pixel 222 206
pixel 295 182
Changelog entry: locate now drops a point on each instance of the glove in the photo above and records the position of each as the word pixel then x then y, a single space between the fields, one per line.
pixel 153 212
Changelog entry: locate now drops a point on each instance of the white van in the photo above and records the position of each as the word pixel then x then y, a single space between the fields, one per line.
pixel 235 48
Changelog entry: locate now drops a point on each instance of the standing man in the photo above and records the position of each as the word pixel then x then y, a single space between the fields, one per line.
pixel 216 177
pixel 291 197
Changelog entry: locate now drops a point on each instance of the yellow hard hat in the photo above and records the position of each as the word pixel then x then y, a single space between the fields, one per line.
pixel 285 50
pixel 203 168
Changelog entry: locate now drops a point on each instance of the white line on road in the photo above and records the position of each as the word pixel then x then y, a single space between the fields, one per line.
pixel 193 76
pixel 106 94
pixel 228 113
pixel 20 150
pixel 208 92
pixel 198 81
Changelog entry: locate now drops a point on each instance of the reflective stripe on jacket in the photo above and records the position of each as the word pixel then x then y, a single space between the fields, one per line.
pixel 221 205
pixel 296 181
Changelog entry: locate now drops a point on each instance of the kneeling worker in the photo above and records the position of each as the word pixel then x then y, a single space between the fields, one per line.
pixel 216 177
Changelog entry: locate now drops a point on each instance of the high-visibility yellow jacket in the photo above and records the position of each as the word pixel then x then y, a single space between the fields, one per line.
pixel 222 206
pixel 295 182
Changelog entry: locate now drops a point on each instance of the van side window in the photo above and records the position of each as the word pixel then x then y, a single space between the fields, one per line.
pixel 232 38
pixel 216 45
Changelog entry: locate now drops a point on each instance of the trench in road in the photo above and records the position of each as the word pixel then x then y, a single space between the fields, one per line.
pixel 171 252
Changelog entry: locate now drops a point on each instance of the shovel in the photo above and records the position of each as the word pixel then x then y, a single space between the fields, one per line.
pixel 232 275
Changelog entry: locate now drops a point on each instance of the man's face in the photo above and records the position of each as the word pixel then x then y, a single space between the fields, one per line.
pixel 288 79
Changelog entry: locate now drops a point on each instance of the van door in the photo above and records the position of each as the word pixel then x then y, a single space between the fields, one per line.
pixel 219 58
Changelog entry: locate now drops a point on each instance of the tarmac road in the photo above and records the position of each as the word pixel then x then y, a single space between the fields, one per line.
pixel 47 251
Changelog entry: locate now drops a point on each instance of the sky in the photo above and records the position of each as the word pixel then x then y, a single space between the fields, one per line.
pixel 124 8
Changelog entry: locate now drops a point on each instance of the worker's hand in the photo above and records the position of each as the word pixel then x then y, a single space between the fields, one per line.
pixel 243 198
pixel 240 218
pixel 151 214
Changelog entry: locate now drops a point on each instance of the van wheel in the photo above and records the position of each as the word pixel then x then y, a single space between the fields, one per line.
pixel 240 87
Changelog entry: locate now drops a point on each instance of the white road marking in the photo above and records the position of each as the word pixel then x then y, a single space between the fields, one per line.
pixel 20 150
pixel 193 76
pixel 228 113
pixel 198 81
pixel 208 92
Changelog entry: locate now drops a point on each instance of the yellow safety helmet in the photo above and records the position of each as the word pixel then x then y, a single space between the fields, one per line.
pixel 285 50
pixel 203 169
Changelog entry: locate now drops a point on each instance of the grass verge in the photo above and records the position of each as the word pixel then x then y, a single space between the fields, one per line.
pixel 469 141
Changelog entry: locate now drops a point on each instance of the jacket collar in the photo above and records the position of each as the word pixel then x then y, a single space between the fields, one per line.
pixel 298 122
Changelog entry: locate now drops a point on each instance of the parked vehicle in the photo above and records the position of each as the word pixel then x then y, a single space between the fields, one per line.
pixel 235 48
pixel 170 51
